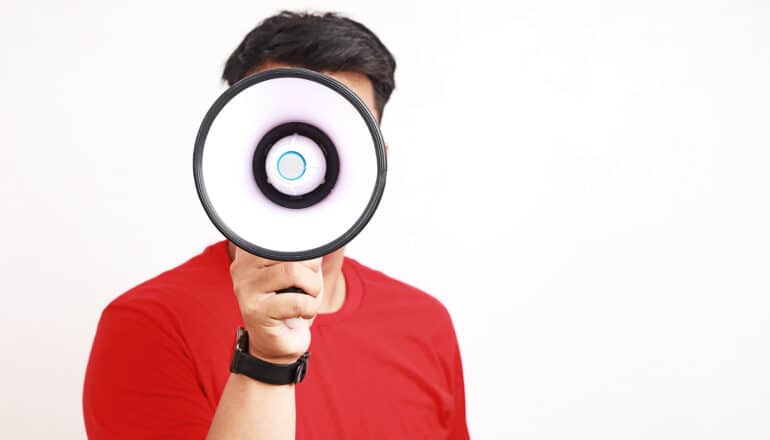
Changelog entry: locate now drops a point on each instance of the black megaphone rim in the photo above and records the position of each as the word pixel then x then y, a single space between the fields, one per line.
pixel 374 130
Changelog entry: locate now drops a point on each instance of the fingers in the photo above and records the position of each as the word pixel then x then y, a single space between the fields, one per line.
pixel 291 305
pixel 278 324
pixel 270 279
pixel 245 259
pixel 256 279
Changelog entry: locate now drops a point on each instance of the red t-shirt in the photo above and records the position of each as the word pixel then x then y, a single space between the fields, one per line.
pixel 385 366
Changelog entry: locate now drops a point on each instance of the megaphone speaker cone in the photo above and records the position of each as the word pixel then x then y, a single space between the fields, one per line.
pixel 278 150
pixel 289 164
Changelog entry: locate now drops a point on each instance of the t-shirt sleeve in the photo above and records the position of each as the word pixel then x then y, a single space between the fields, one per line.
pixel 140 381
pixel 458 427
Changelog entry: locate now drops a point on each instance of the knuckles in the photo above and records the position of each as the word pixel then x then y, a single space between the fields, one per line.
pixel 254 281
pixel 296 305
pixel 290 271
pixel 250 282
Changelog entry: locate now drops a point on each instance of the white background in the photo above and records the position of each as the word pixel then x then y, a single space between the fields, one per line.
pixel 583 184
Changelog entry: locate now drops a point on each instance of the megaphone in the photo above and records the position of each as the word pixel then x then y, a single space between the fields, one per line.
pixel 289 164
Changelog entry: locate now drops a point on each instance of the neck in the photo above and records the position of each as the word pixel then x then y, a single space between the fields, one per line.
pixel 335 289
pixel 334 292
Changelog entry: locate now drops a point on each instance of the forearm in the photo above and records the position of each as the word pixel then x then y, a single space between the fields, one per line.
pixel 249 409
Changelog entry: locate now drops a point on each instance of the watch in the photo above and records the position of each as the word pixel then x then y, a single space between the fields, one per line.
pixel 263 371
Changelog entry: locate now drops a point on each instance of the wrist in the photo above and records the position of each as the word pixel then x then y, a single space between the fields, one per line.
pixel 262 370
pixel 278 360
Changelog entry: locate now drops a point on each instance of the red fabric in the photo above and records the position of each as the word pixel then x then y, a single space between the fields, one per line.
pixel 385 366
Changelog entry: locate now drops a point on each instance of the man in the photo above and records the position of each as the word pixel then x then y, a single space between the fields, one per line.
pixel 385 362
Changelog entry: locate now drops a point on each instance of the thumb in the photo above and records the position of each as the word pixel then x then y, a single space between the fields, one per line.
pixel 295 323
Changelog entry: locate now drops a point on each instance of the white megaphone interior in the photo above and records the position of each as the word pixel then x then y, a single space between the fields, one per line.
pixel 227 164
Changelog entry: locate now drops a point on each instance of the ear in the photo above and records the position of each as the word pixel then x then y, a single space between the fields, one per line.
pixel 386 149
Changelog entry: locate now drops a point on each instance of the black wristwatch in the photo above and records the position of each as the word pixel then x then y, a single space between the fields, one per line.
pixel 257 369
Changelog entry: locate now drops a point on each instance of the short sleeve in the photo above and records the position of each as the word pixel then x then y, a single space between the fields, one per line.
pixel 458 427
pixel 140 381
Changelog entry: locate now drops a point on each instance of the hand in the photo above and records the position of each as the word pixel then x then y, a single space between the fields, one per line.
pixel 278 324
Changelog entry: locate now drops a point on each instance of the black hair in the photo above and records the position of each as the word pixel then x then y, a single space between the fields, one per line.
pixel 325 41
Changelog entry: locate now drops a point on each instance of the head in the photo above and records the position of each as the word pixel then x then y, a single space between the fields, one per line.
pixel 329 43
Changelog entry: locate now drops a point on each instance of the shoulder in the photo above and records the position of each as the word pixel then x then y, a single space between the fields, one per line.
pixel 174 291
pixel 142 361
pixel 163 317
pixel 188 307
pixel 406 317
pixel 386 292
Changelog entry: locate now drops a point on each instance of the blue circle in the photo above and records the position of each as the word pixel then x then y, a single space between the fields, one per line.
pixel 293 153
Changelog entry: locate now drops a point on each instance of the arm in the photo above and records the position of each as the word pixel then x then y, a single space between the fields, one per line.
pixel 243 399
pixel 249 409
pixel 140 382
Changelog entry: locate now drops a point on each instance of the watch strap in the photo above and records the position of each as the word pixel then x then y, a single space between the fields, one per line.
pixel 263 371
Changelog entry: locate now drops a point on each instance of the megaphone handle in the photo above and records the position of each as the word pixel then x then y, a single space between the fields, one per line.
pixel 291 290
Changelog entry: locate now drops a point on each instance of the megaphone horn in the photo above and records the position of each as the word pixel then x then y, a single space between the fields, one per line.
pixel 289 164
